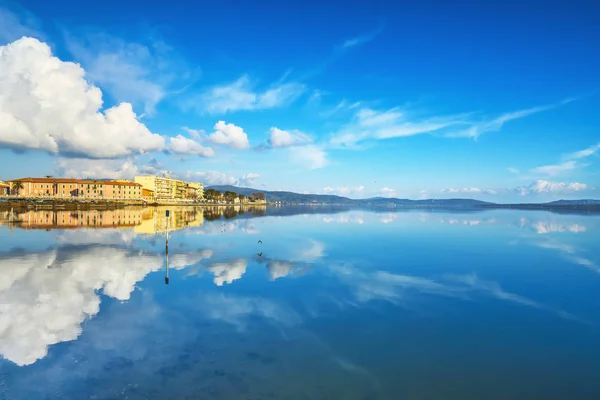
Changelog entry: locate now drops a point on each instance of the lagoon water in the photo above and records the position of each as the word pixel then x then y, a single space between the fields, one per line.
pixel 333 304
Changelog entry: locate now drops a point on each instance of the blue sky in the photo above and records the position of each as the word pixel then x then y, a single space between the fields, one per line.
pixel 429 100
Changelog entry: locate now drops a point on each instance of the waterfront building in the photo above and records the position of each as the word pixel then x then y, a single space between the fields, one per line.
pixel 167 188
pixel 164 187
pixel 79 188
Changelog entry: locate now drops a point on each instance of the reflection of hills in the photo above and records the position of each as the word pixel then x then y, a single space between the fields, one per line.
pixel 46 296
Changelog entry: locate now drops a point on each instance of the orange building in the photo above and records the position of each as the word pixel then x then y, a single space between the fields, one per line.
pixel 81 188
pixel 4 188
pixel 148 194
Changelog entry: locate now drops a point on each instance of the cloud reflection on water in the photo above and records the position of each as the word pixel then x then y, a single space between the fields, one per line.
pixel 45 297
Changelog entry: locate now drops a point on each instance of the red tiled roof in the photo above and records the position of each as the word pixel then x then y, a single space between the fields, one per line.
pixel 74 180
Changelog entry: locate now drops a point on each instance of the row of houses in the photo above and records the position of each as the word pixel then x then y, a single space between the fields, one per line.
pixel 148 187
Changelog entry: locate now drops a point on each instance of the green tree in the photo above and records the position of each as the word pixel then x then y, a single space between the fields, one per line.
pixel 212 194
pixel 257 196
pixel 230 196
pixel 16 186
pixel 242 198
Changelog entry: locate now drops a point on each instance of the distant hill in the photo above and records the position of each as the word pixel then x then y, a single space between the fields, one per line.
pixel 291 197
pixel 575 202
pixel 299 198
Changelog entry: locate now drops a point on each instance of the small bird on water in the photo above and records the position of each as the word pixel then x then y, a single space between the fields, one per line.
pixel 260 254
pixel 260 241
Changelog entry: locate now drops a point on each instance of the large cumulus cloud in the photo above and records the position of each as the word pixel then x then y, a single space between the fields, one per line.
pixel 46 104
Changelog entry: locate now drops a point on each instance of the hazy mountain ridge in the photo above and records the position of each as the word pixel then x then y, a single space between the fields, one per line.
pixel 291 197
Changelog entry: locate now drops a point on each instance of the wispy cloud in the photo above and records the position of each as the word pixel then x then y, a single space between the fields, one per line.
pixel 361 39
pixel 220 178
pixel 557 169
pixel 513 170
pixel 535 188
pixel 496 124
pixel 571 161
pixel 387 192
pixel 310 156
pixel 141 73
pixel 371 124
pixel 345 191
pixel 242 95
pixel 583 153
pixel 543 186
pixel 471 190
pixel 374 124
pixel 15 25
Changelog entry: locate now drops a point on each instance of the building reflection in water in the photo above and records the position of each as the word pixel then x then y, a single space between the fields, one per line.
pixel 145 221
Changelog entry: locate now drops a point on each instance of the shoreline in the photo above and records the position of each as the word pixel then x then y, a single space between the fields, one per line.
pixel 68 204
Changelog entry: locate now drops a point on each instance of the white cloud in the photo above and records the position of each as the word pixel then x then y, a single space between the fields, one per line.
pixel 182 145
pixel 240 95
pixel 281 138
pixel 542 186
pixel 311 156
pixel 215 178
pixel 553 170
pixel 512 170
pixel 583 153
pixel 248 179
pixel 219 178
pixel 93 168
pixel 137 73
pixel 471 190
pixel 229 135
pixel 344 190
pixel 387 192
pixel 62 114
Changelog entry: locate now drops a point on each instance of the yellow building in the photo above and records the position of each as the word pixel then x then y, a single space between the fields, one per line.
pixel 199 188
pixel 166 188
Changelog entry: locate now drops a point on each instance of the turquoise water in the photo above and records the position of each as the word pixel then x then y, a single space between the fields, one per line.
pixel 351 304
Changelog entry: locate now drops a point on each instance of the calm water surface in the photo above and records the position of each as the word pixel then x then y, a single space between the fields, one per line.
pixel 331 305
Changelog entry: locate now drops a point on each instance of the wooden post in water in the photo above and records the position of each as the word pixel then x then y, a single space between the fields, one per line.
pixel 167 250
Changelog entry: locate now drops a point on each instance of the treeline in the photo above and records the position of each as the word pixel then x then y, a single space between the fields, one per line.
pixel 230 197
